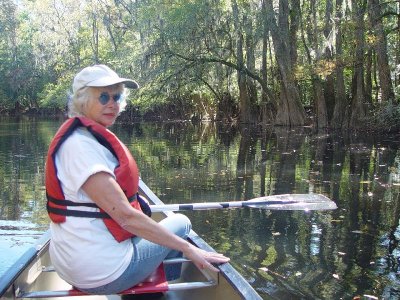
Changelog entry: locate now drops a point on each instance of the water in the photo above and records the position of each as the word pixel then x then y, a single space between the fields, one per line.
pixel 23 146
pixel 350 252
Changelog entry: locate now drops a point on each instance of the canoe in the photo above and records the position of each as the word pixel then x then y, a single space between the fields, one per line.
pixel 32 275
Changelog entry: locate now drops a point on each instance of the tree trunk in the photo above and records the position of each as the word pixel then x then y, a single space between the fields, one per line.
pixel 293 30
pixel 318 98
pixel 244 97
pixel 321 118
pixel 380 46
pixel 358 111
pixel 340 110
pixel 329 86
pixel 290 111
pixel 397 78
pixel 319 104
pixel 368 77
pixel 268 106
pixel 251 65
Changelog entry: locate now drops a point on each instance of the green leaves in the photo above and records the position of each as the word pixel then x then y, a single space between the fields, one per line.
pixel 180 49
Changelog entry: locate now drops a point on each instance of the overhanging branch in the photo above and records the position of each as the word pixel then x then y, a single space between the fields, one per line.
pixel 246 71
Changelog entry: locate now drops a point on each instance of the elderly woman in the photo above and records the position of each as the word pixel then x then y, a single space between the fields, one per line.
pixel 101 241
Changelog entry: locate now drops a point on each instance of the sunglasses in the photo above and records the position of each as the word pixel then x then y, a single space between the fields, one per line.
pixel 105 97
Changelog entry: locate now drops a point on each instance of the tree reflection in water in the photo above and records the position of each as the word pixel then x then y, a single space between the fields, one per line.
pixel 350 252
pixel 296 255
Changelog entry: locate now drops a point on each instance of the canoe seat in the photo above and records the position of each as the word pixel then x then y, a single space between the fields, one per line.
pixel 155 283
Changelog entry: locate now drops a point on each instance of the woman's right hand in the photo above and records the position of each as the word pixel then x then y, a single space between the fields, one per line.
pixel 204 259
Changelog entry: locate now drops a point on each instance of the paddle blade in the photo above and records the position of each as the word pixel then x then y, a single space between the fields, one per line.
pixel 293 202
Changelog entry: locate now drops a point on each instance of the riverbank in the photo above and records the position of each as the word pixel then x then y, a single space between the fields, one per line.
pixel 385 120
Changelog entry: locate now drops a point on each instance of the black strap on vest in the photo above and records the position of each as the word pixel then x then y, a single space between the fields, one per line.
pixel 79 213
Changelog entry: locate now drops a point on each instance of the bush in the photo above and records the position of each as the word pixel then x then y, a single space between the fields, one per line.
pixel 55 95
pixel 5 102
pixel 386 118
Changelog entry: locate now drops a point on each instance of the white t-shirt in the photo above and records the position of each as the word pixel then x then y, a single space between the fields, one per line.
pixel 83 251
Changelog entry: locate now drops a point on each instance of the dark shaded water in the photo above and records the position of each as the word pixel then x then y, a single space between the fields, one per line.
pixel 350 252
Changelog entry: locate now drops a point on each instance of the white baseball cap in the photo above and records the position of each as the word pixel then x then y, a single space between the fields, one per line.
pixel 99 76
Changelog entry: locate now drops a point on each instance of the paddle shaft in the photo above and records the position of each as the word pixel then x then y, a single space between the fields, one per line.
pixel 215 205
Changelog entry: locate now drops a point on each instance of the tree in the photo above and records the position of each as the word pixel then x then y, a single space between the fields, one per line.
pixel 358 109
pixel 268 105
pixel 318 97
pixel 341 109
pixel 290 111
pixel 247 93
pixel 9 66
pixel 380 46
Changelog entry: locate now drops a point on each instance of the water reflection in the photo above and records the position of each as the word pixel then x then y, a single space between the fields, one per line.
pixel 23 144
pixel 328 255
pixel 352 251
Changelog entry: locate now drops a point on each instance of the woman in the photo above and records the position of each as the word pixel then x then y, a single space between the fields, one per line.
pixel 101 241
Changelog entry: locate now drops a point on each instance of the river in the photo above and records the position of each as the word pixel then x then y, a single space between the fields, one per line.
pixel 347 253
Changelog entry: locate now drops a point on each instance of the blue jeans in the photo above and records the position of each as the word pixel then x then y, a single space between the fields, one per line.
pixel 147 256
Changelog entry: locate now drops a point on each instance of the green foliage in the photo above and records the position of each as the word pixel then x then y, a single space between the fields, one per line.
pixel 385 118
pixel 5 102
pixel 55 95
pixel 175 49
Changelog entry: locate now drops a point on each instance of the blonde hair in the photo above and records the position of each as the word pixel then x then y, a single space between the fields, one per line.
pixel 80 100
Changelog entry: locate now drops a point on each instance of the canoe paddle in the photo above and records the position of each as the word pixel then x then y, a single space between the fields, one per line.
pixel 304 202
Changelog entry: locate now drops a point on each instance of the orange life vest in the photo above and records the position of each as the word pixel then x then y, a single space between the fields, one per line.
pixel 126 174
